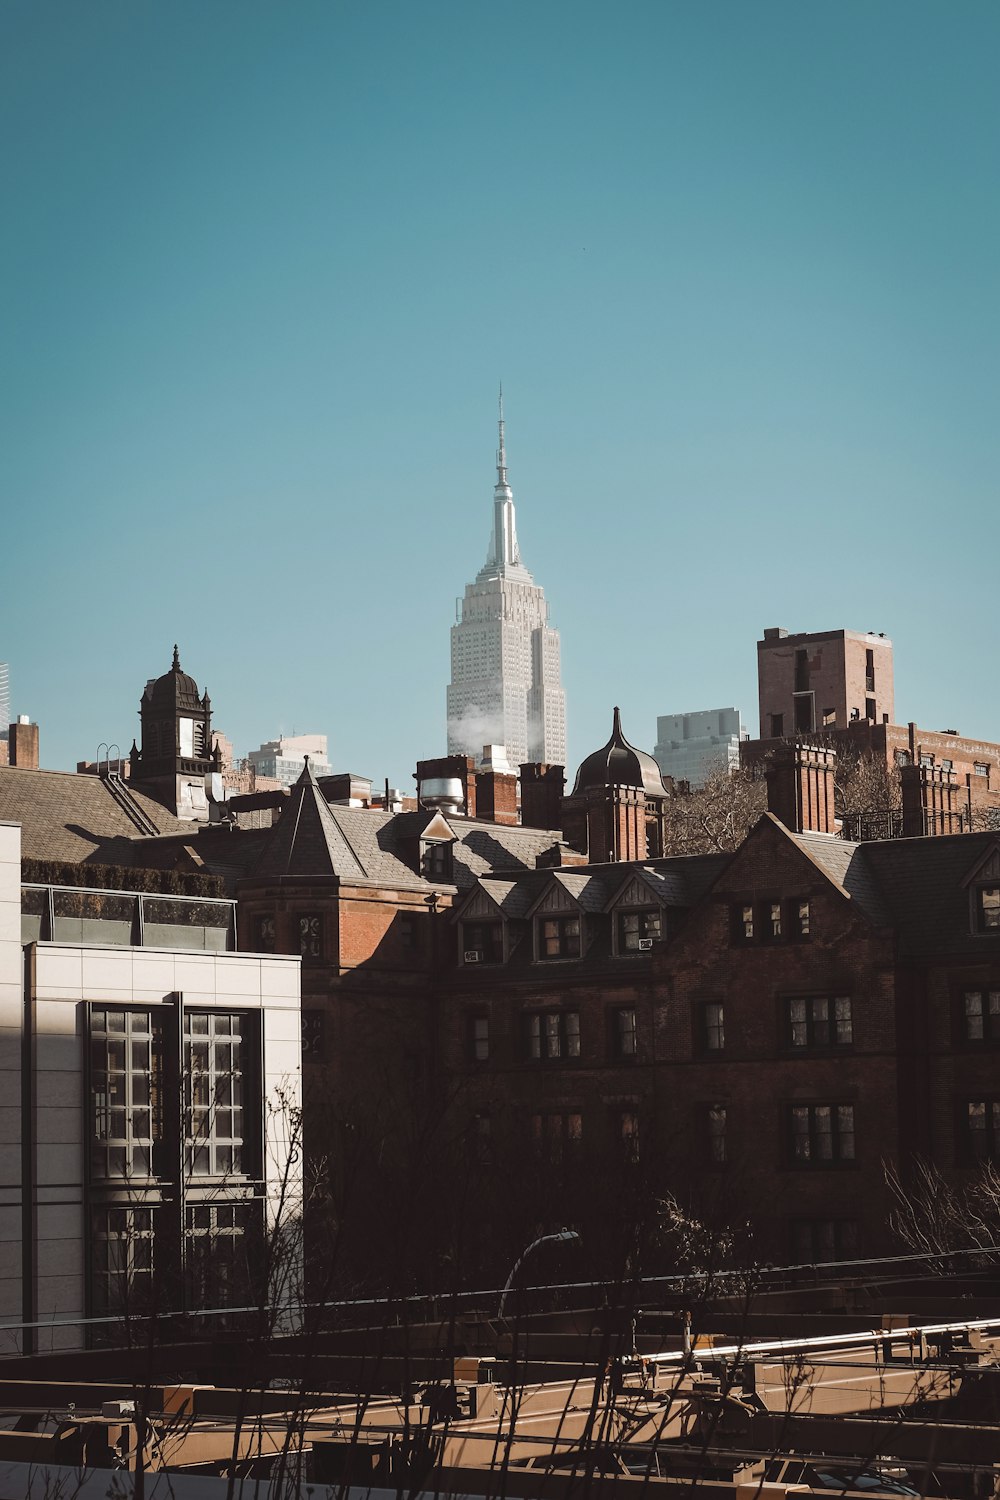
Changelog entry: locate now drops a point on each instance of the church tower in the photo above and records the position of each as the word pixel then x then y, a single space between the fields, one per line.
pixel 176 753
pixel 505 690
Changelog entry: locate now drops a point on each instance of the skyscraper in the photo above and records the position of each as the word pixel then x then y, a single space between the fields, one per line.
pixel 505 687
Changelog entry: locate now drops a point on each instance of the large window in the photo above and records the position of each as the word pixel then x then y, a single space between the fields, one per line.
pixel 126 1092
pixel 624 1036
pixel 558 1134
pixel 712 1132
pixel 311 935
pixel 820 1240
pixel 552 1035
pixel 775 920
pixel 980 1127
pixel 214 1060
pixel 122 1259
pixel 478 1038
pixel 711 1026
pixel 821 1135
pixel 217 1238
pixel 559 937
pixel 981 1015
pixel 639 930
pixel 818 1021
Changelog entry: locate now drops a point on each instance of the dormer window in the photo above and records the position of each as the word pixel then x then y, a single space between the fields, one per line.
pixel 988 908
pixel 436 861
pixel 482 942
pixel 558 937
pixel 638 930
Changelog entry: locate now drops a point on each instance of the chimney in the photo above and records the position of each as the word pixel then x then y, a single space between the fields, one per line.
pixel 800 787
pixel 23 743
pixel 542 795
pixel 930 801
pixel 496 797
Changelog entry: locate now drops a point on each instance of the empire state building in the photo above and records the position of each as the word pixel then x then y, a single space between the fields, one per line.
pixel 505 688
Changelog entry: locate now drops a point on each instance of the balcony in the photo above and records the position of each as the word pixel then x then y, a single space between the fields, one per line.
pixel 126 919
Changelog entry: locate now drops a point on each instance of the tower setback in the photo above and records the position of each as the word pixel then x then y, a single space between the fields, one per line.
pixel 505 687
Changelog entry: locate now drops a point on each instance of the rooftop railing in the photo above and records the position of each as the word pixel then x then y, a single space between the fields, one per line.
pixel 126 919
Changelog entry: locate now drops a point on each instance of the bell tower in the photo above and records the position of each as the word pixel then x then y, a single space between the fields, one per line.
pixel 176 739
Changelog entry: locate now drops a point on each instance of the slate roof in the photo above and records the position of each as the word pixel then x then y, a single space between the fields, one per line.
pixel 848 867
pixel 307 839
pixel 921 884
pixel 77 818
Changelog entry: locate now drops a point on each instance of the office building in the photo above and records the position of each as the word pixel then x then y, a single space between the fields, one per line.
pixel 281 760
pixel 690 747
pixel 505 688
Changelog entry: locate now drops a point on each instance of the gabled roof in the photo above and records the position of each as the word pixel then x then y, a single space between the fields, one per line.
pixel 78 818
pixel 307 840
pixel 923 884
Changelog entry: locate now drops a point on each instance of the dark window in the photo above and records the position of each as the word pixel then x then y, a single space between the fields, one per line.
pixel 126 1091
pixel 777 726
pixel 479 1038
pixel 820 1240
pixel 980 1124
pixel 552 1035
pixel 311 934
pixel 628 1134
pixel 800 918
pixel 557 1135
pixel 409 933
pixel 214 1061
pixel 712 1131
pixel 804 712
pixel 711 1026
pixel 559 937
pixel 821 1135
pixel 981 1015
pixel 870 671
pixel 485 939
pixel 625 1038
pixel 436 860
pixel 216 1237
pixel 263 935
pixel 802 670
pixel 121 1249
pixel 988 908
pixel 638 929
pixel 870 710
pixel 818 1021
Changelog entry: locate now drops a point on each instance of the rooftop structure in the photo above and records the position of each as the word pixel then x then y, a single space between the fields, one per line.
pixel 690 747
pixel 826 679
pixel 505 688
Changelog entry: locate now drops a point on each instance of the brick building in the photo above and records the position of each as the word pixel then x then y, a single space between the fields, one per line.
pixel 509 1024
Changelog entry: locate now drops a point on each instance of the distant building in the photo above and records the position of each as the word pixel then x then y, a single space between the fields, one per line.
pixel 4 699
pixel 824 680
pixel 505 688
pixel 284 758
pixel 689 747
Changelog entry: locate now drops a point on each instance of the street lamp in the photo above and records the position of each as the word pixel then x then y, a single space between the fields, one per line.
pixel 561 1237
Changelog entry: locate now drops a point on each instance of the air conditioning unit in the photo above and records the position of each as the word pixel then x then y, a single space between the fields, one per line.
pixel 471 956
pixel 645 944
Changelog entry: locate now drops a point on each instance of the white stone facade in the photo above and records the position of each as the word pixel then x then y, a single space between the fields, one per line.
pixel 506 688
pixel 57 1001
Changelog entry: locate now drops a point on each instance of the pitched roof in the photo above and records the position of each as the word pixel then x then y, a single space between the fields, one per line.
pixel 307 839
pixel 78 818
pixel 922 884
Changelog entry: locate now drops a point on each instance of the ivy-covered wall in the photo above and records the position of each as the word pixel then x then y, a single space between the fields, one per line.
pixel 121 878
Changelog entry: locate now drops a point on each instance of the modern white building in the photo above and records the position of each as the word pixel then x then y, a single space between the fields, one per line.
pixel 506 687
pixel 151 1091
pixel 282 759
pixel 689 747
pixel 4 699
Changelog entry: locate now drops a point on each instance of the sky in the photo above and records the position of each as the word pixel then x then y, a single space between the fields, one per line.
pixel 263 266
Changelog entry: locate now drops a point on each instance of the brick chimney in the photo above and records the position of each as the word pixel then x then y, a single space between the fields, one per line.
pixel 541 795
pixel 496 797
pixel 930 801
pixel 23 744
pixel 800 787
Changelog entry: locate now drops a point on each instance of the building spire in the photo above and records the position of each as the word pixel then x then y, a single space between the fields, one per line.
pixel 502 450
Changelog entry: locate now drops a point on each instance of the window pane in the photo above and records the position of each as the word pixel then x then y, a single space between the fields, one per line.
pixel 572 1019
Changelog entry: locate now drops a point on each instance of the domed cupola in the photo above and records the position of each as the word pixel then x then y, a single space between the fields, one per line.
pixel 619 764
pixel 176 743
pixel 616 808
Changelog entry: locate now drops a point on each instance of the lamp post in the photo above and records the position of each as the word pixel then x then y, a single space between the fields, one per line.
pixel 561 1237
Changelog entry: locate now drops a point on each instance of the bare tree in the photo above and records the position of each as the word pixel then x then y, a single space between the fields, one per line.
pixel 936 1219
pixel 715 818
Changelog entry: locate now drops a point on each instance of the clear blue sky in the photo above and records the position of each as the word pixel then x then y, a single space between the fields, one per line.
pixel 738 266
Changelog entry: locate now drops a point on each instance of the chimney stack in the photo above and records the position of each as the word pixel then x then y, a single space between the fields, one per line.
pixel 23 743
pixel 800 787
pixel 930 801
pixel 542 795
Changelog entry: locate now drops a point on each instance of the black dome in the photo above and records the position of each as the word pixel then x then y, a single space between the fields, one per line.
pixel 173 687
pixel 620 764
